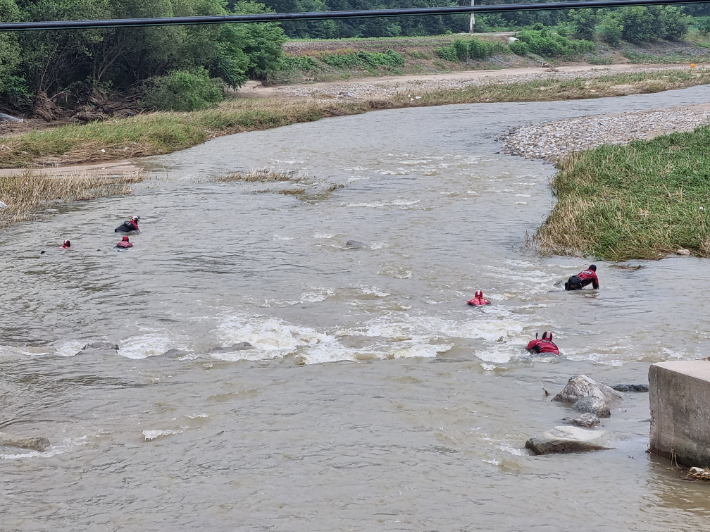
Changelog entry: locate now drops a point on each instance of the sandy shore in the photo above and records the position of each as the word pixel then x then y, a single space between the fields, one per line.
pixel 553 140
pixel 387 87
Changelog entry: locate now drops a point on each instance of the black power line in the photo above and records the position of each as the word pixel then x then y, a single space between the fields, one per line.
pixel 324 15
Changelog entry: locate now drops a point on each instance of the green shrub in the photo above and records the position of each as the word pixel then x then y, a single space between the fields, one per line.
pixel 182 90
pixel 612 28
pixel 299 62
pixel 447 53
pixel 646 24
pixel 674 23
pixel 484 49
pixel 584 22
pixel 461 50
pixel 366 60
pixel 547 44
pixel 15 93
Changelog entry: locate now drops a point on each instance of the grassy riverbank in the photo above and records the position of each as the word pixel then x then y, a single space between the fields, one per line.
pixel 166 132
pixel 639 201
pixel 27 194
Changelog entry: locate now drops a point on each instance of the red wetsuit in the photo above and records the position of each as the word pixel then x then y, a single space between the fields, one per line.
pixel 543 346
pixel 124 244
pixel 587 277
pixel 478 300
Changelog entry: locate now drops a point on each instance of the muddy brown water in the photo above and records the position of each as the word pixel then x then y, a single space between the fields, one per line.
pixel 374 398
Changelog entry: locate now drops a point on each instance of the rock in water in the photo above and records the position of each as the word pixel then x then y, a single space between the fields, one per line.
pixel 100 346
pixel 34 443
pixel 586 420
pixel 174 353
pixel 241 346
pixel 630 387
pixel 355 244
pixel 582 386
pixel 567 440
pixel 592 405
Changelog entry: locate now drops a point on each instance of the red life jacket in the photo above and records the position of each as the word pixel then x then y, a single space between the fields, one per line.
pixel 543 346
pixel 478 300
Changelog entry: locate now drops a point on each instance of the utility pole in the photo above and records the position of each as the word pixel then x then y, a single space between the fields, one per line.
pixel 472 24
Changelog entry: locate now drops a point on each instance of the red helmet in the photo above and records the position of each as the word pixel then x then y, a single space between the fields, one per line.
pixel 125 239
pixel 479 293
pixel 547 335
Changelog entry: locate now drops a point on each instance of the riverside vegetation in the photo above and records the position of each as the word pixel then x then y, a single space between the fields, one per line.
pixel 640 201
pixel 165 132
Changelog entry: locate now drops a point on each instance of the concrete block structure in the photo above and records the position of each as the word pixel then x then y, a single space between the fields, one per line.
pixel 679 395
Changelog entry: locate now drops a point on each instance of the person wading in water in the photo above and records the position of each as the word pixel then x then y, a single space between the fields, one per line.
pixel 583 278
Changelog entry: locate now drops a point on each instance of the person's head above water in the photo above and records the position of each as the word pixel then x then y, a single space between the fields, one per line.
pixel 479 293
pixel 66 244
pixel 125 239
pixel 135 218
pixel 547 335
pixel 592 267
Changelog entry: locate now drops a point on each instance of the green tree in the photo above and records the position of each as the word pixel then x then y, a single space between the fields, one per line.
pixel 612 28
pixel 9 48
pixel 585 22
pixel 674 22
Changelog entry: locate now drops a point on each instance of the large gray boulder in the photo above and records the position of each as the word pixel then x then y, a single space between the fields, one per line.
pixel 24 442
pixel 586 420
pixel 582 386
pixel 592 405
pixel 568 440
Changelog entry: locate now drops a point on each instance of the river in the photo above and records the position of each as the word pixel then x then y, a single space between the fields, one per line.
pixel 374 398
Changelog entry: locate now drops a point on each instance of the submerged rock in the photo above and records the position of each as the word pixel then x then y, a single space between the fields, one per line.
pixel 585 420
pixel 100 346
pixel 567 440
pixel 241 346
pixel 592 405
pixel 355 244
pixel 582 386
pixel 24 442
pixel 630 387
pixel 174 353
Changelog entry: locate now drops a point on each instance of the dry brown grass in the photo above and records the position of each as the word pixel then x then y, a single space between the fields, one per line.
pixel 28 193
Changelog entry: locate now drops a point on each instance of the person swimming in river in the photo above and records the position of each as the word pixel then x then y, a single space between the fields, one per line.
pixel 543 345
pixel 124 244
pixel 129 226
pixel 478 300
pixel 66 244
pixel 583 278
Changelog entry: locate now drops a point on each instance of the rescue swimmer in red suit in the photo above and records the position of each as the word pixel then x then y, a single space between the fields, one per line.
pixel 543 345
pixel 478 300
pixel 583 278
pixel 130 226
pixel 124 244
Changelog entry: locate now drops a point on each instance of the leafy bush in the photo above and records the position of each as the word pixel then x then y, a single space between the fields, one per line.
pixel 674 22
pixel 545 43
pixel 367 60
pixel 447 53
pixel 299 62
pixel 414 54
pixel 612 28
pixel 182 90
pixel 15 93
pixel 584 22
pixel 461 50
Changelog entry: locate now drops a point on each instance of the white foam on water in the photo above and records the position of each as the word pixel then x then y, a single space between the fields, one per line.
pixel 69 348
pixel 377 204
pixel 150 435
pixel 373 290
pixel 323 235
pixel 279 237
pixel 148 345
pixel 318 296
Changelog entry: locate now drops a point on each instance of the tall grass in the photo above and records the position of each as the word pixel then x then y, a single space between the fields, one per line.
pixel 28 193
pixel 639 201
